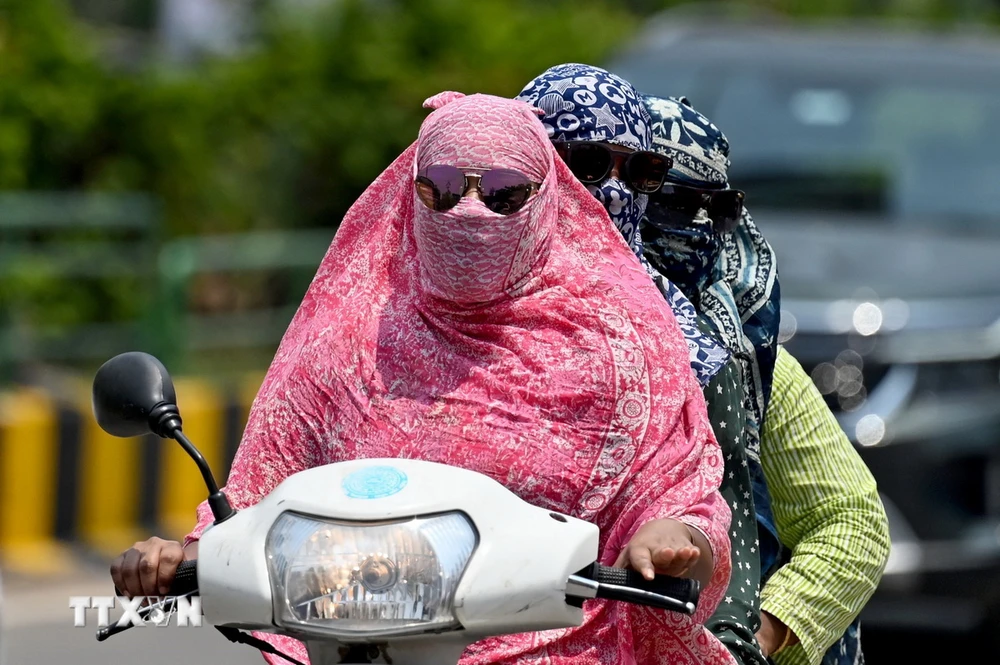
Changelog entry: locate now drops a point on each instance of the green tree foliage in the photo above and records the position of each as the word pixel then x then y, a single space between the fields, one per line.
pixel 287 132
pixel 52 90
pixel 284 135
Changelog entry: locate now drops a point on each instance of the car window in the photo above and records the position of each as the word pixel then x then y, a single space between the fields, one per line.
pixel 945 142
pixel 909 149
pixel 654 77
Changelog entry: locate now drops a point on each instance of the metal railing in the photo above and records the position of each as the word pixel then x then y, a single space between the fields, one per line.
pixel 183 333
pixel 53 246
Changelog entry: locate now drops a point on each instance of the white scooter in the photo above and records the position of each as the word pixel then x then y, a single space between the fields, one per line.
pixel 379 560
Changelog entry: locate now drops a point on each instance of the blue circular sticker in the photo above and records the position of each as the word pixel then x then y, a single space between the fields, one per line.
pixel 375 482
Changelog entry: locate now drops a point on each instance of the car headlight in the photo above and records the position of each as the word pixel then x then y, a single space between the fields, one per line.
pixel 353 579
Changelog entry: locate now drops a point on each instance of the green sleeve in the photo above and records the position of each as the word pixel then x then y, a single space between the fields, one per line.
pixel 828 512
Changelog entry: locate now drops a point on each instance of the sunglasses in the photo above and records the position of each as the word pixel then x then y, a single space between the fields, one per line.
pixel 591 162
pixel 504 191
pixel 724 206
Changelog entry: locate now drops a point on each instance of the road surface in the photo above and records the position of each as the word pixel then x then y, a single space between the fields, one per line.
pixel 36 628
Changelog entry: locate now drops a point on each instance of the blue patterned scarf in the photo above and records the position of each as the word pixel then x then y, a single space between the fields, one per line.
pixel 586 103
pixel 732 278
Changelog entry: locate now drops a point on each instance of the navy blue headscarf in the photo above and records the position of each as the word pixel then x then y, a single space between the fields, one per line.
pixel 733 278
pixel 586 103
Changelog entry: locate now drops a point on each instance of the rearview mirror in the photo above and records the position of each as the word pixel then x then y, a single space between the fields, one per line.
pixel 129 393
pixel 133 395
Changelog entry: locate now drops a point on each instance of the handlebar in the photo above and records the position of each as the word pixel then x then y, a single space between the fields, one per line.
pixel 185 579
pixel 185 585
pixel 595 581
pixel 684 590
pixel 663 591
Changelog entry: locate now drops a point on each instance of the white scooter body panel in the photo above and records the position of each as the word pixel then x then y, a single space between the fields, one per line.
pixel 515 581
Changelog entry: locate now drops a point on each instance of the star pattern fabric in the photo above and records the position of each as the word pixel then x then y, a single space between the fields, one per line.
pixel 847 650
pixel 738 616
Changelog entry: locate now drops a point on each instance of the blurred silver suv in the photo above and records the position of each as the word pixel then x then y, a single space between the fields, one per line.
pixel 871 160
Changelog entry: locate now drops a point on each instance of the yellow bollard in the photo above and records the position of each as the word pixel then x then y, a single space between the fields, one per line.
pixel 181 487
pixel 110 474
pixel 29 469
pixel 248 392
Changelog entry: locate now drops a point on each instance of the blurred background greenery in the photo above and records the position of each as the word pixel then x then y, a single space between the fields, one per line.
pixel 172 172
pixel 245 117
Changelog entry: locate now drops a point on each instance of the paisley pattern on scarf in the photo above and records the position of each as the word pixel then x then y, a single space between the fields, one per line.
pixel 585 103
pixel 565 377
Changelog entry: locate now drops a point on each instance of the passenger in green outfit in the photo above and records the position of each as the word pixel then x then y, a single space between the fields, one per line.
pixel 712 264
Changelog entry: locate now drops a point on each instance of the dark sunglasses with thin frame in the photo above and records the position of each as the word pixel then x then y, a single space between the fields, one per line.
pixel 724 206
pixel 504 191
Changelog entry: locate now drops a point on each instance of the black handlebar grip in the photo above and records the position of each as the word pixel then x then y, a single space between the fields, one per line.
pixel 185 584
pixel 185 579
pixel 684 590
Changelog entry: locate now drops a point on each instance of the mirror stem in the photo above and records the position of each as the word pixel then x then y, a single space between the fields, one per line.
pixel 199 459
pixel 217 501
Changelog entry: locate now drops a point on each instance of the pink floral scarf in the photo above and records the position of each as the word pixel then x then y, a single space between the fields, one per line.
pixel 532 348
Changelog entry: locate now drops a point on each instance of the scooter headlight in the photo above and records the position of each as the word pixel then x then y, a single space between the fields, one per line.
pixel 352 579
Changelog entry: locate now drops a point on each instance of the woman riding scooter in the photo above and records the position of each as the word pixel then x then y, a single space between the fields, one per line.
pixel 478 309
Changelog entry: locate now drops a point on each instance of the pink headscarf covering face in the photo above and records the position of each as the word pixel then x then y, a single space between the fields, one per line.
pixel 532 348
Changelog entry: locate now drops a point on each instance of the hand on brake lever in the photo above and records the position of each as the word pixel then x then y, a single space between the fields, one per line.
pixel 663 547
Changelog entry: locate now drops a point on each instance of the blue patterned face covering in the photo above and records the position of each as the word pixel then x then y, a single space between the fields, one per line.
pixel 682 248
pixel 585 103
pixel 624 207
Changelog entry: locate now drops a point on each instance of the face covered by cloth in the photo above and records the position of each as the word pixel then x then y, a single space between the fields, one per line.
pixel 733 277
pixel 684 248
pixel 532 348
pixel 468 254
pixel 586 103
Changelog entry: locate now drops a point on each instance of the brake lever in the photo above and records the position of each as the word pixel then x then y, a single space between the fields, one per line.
pixel 166 605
